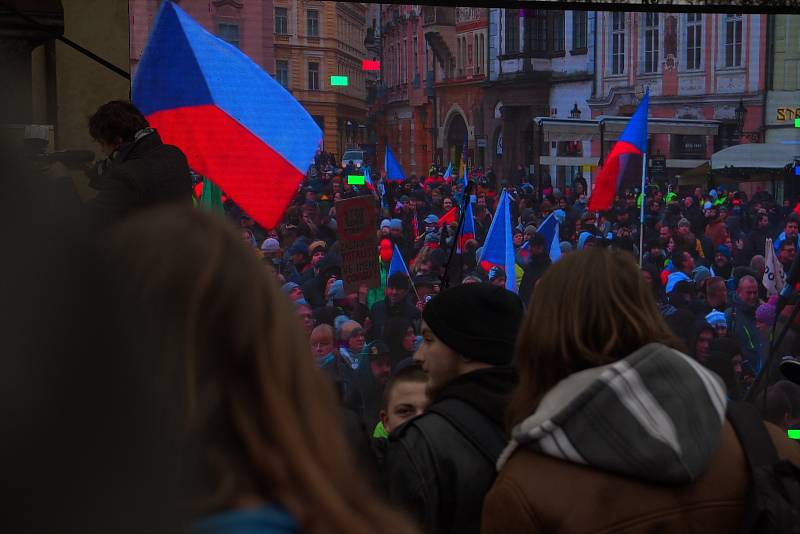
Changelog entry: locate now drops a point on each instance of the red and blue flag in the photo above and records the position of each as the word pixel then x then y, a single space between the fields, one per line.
pixel 467 230
pixel 628 150
pixel 498 250
pixel 448 173
pixel 236 125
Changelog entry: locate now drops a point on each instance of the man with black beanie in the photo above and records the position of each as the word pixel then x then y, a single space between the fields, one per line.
pixel 440 465
pixel 397 303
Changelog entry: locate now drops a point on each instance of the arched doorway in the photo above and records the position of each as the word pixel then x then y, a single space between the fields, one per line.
pixel 456 133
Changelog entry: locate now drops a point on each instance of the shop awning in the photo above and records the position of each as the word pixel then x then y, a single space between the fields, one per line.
pixel 553 129
pixel 755 156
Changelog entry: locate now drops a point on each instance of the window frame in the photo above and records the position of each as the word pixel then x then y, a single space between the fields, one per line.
pixel 737 20
pixel 309 78
pixel 284 18
pixel 277 72
pixel 617 35
pixel 580 28
pixel 230 24
pixel 694 27
pixel 512 33
pixel 650 43
pixel 309 26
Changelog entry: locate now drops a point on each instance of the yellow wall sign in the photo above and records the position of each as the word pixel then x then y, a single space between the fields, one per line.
pixel 788 114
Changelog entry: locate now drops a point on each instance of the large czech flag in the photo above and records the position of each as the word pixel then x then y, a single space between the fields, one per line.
pixel 630 148
pixel 236 125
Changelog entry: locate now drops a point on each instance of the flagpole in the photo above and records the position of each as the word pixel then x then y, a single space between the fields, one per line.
pixel 641 210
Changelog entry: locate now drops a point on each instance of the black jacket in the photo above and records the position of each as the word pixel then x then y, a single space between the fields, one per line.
pixel 382 311
pixel 143 173
pixel 437 472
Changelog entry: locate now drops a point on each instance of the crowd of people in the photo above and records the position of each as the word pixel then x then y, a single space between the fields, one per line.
pixel 600 396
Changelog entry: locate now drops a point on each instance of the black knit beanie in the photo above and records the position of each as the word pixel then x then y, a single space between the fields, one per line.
pixel 479 321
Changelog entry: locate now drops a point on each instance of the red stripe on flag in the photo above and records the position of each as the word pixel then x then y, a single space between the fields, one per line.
pixel 449 217
pixel 368 65
pixel 607 179
pixel 250 172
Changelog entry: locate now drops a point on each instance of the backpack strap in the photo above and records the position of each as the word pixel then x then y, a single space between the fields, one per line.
pixel 478 429
pixel 753 436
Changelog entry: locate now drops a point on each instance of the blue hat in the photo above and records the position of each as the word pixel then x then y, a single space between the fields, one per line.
pixel 674 278
pixel 582 239
pixel 386 223
pixel 299 247
pixel 716 318
pixel 431 219
pixel 337 291
pixel 288 287
pixel 396 224
pixel 724 250
pixel 700 273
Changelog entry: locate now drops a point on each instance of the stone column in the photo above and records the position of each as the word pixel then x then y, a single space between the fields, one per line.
pixel 18 37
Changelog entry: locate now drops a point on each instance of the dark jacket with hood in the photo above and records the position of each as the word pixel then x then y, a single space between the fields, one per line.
pixel 638 446
pixel 742 326
pixel 382 311
pixel 435 471
pixel 142 173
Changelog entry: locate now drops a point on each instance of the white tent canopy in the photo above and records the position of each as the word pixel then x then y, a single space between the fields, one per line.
pixel 756 156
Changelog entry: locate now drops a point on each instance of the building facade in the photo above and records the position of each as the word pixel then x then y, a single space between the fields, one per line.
pixel 315 41
pixel 402 107
pixel 783 79
pixel 697 66
pixel 541 64
pixel 457 75
pixel 247 25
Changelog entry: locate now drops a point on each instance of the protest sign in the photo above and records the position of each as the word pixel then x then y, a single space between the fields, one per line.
pixel 356 224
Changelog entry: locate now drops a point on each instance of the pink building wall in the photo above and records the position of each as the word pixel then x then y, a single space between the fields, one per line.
pixel 254 19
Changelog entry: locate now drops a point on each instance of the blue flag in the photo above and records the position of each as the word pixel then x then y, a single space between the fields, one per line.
pixel 397 264
pixel 393 171
pixel 498 250
pixel 550 231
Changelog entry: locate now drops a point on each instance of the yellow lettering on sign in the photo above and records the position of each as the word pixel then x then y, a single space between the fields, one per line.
pixel 787 114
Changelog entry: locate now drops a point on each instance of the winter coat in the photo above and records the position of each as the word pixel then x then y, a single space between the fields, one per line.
pixel 382 311
pixel 141 174
pixel 742 326
pixel 638 446
pixel 435 471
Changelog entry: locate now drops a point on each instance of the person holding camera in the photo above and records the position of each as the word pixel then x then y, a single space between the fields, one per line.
pixel 140 170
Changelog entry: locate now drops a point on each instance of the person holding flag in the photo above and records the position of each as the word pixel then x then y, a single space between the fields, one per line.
pixel 630 149
pixel 397 302
pixel 498 249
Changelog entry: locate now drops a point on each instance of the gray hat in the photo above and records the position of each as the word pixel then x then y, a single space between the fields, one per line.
pixel 270 245
pixel 565 246
pixel 288 287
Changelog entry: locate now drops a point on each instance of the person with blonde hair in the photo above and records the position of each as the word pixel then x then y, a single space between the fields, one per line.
pixel 263 448
pixel 613 428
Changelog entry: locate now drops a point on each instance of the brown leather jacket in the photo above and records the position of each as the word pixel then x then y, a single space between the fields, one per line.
pixel 539 493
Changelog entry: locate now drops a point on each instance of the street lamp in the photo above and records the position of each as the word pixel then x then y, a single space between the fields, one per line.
pixel 740 113
pixel 575 113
